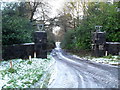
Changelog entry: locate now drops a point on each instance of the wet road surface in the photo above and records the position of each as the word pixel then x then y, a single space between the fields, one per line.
pixel 73 72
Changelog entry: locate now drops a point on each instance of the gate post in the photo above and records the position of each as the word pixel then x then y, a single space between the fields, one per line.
pixel 40 39
pixel 98 42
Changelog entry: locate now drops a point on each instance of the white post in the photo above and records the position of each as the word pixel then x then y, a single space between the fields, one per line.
pixel 34 54
pixel 106 53
pixel 10 64
pixel 30 57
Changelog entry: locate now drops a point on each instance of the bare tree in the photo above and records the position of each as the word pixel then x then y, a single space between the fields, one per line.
pixel 75 8
pixel 39 10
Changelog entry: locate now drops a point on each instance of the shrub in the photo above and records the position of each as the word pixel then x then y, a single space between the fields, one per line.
pixel 34 81
pixel 67 43
pixel 27 82
pixel 16 29
pixel 12 70
pixel 29 62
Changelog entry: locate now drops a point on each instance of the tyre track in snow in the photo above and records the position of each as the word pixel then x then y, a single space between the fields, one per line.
pixel 76 73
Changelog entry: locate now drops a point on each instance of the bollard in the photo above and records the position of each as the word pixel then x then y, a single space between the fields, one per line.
pixel 10 64
pixel 30 57
pixel 34 54
pixel 106 53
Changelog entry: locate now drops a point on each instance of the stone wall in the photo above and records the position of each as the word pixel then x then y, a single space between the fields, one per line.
pixel 22 51
pixel 113 48
pixel 37 49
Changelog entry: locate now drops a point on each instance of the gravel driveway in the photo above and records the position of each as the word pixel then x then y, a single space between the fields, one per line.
pixel 72 72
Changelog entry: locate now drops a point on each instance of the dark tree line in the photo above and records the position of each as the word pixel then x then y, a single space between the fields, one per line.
pixel 103 14
pixel 19 20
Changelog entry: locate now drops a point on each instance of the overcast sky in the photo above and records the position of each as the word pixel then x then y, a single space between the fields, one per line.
pixel 56 5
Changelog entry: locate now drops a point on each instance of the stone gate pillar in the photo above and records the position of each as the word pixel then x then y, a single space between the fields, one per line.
pixel 98 43
pixel 40 39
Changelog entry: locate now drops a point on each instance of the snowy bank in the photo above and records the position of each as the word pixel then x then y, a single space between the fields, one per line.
pixel 24 73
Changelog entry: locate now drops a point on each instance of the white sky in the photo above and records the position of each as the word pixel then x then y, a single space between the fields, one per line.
pixel 56 5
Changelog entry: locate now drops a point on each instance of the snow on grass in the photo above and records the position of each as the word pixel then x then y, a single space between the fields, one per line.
pixel 24 73
pixel 114 60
